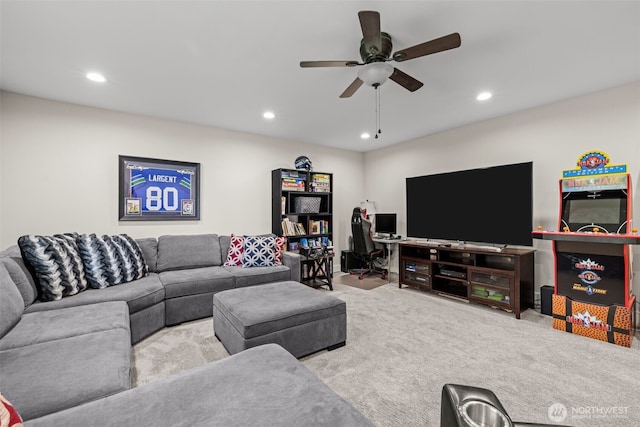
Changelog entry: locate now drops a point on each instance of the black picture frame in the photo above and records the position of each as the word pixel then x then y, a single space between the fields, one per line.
pixel 158 190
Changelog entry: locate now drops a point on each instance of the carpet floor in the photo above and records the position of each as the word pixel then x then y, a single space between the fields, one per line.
pixel 403 345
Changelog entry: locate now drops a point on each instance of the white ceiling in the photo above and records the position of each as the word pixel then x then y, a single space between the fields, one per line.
pixel 222 63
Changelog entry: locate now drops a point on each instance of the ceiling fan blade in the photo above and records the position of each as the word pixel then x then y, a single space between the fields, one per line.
pixel 370 23
pixel 451 41
pixel 353 87
pixel 405 80
pixel 307 64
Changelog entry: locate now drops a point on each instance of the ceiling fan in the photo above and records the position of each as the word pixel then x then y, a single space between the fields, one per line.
pixel 375 51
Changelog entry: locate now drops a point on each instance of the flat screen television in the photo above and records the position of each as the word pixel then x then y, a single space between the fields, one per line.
pixel 385 223
pixel 490 205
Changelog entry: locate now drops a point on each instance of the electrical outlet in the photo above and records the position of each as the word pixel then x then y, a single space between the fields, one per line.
pixel 536 300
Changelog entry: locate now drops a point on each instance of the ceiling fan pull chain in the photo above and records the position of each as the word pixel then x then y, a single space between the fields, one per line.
pixel 379 108
pixel 377 102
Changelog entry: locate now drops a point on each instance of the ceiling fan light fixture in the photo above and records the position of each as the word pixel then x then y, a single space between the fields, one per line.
pixel 375 73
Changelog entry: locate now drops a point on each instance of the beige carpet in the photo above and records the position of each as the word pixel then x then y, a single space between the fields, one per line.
pixel 404 345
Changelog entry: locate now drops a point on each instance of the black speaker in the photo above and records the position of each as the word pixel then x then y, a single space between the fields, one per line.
pixel 546 298
pixel 349 261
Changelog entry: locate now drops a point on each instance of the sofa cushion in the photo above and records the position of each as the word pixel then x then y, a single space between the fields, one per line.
pixel 263 385
pixel 111 260
pixel 178 252
pixel 195 281
pixel 139 294
pixel 20 274
pixel 149 248
pixel 225 243
pixel 55 262
pixel 51 325
pixel 51 376
pixel 11 303
pixel 258 275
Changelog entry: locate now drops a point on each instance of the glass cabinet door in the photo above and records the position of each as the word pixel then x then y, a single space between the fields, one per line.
pixel 491 286
pixel 416 273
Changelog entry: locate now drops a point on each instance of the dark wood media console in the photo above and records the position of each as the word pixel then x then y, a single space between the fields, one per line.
pixel 499 279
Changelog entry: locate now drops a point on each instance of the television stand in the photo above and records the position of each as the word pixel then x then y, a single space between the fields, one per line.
pixel 498 277
pixel 482 247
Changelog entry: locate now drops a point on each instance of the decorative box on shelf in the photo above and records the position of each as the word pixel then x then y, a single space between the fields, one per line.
pixel 307 204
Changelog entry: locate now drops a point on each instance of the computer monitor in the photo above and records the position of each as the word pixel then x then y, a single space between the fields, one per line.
pixel 385 223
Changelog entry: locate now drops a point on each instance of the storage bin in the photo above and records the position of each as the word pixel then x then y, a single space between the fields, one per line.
pixel 307 204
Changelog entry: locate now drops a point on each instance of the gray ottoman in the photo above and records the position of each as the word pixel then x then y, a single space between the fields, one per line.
pixel 295 316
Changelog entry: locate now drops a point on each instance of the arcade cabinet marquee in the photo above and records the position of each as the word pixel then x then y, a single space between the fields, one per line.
pixel 593 294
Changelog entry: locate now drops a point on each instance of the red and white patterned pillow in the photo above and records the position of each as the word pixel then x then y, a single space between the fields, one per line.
pixel 9 417
pixel 236 251
pixel 281 243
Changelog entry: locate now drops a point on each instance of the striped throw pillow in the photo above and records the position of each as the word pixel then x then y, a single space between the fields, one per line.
pixel 111 260
pixel 55 263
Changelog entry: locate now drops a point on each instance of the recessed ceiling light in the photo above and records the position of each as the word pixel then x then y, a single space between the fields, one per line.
pixel 268 115
pixel 365 135
pixel 96 77
pixel 483 96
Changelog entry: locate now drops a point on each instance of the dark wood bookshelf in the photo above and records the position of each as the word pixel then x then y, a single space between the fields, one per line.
pixel 306 198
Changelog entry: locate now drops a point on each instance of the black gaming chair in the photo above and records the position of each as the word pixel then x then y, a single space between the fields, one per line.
pixel 364 245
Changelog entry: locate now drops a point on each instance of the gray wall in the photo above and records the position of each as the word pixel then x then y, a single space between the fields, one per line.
pixel 59 165
pixel 59 171
pixel 552 136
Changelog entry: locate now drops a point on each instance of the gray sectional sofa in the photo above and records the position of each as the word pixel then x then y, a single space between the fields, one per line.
pixel 68 362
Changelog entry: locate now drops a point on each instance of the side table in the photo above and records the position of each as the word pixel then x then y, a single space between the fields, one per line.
pixel 316 271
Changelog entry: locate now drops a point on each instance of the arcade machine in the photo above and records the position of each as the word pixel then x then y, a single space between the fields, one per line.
pixel 593 293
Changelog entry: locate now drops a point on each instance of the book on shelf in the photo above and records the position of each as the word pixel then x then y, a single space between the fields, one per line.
pixel 320 183
pixel 320 177
pixel 290 228
pixel 293 174
pixel 283 203
pixel 315 242
pixel 318 227
pixel 320 188
pixel 300 229
pixel 293 184
pixel 293 180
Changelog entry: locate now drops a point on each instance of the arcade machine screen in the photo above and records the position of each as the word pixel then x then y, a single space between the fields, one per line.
pixel 608 212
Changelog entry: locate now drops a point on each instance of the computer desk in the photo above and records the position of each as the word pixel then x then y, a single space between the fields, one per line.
pixel 388 244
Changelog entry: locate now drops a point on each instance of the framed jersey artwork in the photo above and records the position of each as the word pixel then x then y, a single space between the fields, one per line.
pixel 154 189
